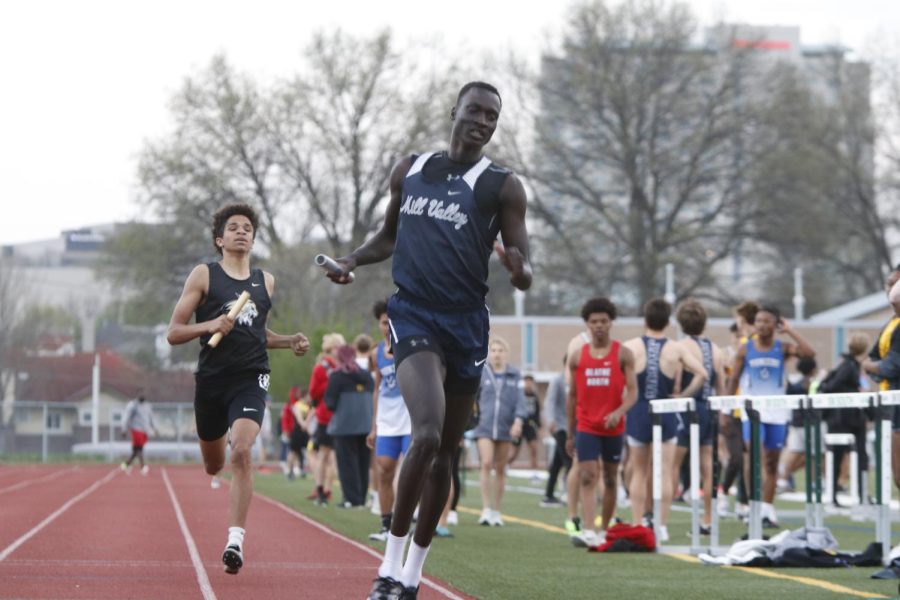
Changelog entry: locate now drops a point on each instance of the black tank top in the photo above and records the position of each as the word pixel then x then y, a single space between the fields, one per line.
pixel 244 349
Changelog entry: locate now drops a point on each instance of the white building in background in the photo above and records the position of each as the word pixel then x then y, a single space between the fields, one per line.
pixel 60 273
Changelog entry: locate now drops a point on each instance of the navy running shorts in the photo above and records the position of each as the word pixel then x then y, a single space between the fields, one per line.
pixel 221 401
pixel 704 420
pixel 459 338
pixel 639 425
pixel 591 447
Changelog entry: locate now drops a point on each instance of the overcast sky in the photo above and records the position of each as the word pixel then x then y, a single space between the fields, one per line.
pixel 86 82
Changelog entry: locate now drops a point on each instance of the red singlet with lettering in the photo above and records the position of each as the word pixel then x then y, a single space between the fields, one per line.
pixel 599 382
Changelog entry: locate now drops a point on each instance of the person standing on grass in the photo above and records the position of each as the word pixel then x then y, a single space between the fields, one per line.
pixel 883 365
pixel 232 379
pixel 760 362
pixel 691 315
pixel 501 413
pixel 557 421
pixel 391 428
pixel 323 445
pixel 604 388
pixel 138 423
pixel 531 428
pixel 658 360
pixel 349 397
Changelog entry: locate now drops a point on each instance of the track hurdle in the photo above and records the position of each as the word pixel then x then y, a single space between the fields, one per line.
pixel 751 406
pixel 681 405
pixel 812 416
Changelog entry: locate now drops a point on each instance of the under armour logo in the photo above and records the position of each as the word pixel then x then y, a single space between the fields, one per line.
pixel 264 381
pixel 451 177
pixel 415 342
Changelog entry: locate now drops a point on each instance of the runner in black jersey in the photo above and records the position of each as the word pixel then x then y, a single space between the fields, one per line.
pixel 445 212
pixel 232 379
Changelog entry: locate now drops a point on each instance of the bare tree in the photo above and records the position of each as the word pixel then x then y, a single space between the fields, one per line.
pixel 639 153
pixel 312 152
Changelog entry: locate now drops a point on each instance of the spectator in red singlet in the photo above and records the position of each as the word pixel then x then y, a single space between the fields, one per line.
pixel 322 442
pixel 603 388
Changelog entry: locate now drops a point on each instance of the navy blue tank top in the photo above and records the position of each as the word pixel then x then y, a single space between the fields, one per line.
pixel 652 383
pixel 445 232
pixel 244 348
pixel 704 392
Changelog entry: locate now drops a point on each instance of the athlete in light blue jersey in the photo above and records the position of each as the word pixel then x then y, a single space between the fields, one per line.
pixel 391 428
pixel 759 370
pixel 440 224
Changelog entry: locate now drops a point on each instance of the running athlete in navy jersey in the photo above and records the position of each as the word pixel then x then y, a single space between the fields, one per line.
pixel 232 378
pixel 440 225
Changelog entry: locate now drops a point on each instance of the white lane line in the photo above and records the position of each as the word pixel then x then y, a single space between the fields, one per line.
pixel 433 585
pixel 34 530
pixel 27 482
pixel 202 578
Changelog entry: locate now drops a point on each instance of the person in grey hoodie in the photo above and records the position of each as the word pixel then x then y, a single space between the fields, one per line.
pixel 501 412
pixel 138 423
pixel 349 395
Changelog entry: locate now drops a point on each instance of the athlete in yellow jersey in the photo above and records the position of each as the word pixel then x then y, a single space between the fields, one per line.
pixel 883 365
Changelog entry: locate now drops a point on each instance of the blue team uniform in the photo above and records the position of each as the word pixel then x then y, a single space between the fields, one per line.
pixel 764 371
pixel 652 385
pixel 701 398
pixel 445 235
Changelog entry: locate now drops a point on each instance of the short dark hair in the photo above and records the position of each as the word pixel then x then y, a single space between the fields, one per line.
pixel 477 84
pixel 691 316
pixel 806 365
pixel 528 377
pixel 226 212
pixel 772 310
pixel 598 305
pixel 380 308
pixel 747 310
pixel 657 313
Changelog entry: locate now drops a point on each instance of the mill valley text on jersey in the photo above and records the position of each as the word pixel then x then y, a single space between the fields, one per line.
pixel 447 225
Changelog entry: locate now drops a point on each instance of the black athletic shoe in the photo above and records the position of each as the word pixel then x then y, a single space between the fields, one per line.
pixel 233 559
pixel 768 523
pixel 409 593
pixel 385 588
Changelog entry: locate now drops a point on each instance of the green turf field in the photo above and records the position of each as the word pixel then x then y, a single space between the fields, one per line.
pixel 522 560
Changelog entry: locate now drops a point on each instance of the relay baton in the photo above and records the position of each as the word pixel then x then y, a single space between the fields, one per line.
pixel 330 265
pixel 235 310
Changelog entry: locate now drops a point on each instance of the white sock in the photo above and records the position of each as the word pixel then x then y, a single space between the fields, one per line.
pixel 393 557
pixel 236 536
pixel 768 510
pixel 412 569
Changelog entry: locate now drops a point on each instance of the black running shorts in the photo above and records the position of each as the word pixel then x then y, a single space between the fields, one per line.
pixel 219 402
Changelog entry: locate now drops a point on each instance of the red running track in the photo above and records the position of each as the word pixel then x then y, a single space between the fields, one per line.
pixel 95 532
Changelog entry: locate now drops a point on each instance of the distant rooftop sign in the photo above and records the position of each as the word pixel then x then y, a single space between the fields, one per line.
pixel 762 44
pixel 84 241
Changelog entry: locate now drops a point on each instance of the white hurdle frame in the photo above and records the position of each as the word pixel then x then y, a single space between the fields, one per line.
pixel 680 405
pixel 841 439
pixel 785 401
pixel 838 401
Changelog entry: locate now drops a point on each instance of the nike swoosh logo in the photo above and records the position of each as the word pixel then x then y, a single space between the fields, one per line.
pixel 451 193
pixel 478 363
pixel 250 409
pixel 256 284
